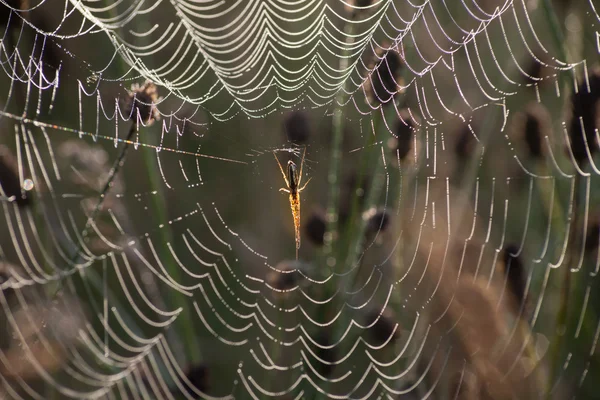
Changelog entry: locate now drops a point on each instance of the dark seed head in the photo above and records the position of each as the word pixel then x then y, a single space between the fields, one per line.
pixel 314 227
pixel 403 140
pixel 9 179
pixel 536 71
pixel 592 238
pixel 384 327
pixel 142 100
pixel 532 126
pixel 465 143
pixel 328 355
pixel 514 271
pixel 296 126
pixel 285 277
pixel 378 221
pixel 385 76
pixel 198 377
pixel 5 11
pixel 50 54
pixel 585 110
pixel 533 136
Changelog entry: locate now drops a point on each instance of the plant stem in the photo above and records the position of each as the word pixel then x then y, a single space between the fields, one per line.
pixel 333 176
pixel 561 319
pixel 353 240
pixel 111 177
pixel 356 241
pixel 184 321
pixel 557 34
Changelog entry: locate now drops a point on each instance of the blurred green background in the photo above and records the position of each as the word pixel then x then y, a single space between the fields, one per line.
pixel 449 231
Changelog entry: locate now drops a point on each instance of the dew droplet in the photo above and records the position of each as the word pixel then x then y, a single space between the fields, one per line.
pixel 28 184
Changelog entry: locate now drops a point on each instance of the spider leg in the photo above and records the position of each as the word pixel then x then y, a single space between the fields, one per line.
pixel 284 190
pixel 302 188
pixel 281 169
pixel 301 165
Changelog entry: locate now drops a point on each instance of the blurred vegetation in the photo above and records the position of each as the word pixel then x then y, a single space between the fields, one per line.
pixel 449 237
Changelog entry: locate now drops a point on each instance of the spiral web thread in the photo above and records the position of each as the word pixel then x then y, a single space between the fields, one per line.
pixel 96 308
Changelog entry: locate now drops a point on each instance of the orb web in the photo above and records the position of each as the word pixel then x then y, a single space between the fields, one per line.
pixel 450 229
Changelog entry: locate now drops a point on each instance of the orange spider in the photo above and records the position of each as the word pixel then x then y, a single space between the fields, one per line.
pixel 292 180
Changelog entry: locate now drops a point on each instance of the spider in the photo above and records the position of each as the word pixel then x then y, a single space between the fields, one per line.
pixel 292 180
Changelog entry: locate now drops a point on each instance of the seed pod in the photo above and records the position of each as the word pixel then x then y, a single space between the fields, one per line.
pixel 296 127
pixel 384 327
pixel 515 272
pixel 5 12
pixel 384 80
pixel 328 354
pixel 142 101
pixel 403 134
pixel 465 143
pixel 284 278
pixel 585 106
pixel 314 227
pixel 531 127
pixel 593 235
pixel 50 54
pixel 533 135
pixel 198 376
pixel 536 71
pixel 9 179
pixel 377 221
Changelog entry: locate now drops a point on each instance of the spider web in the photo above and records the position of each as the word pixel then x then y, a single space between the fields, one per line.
pixel 449 232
